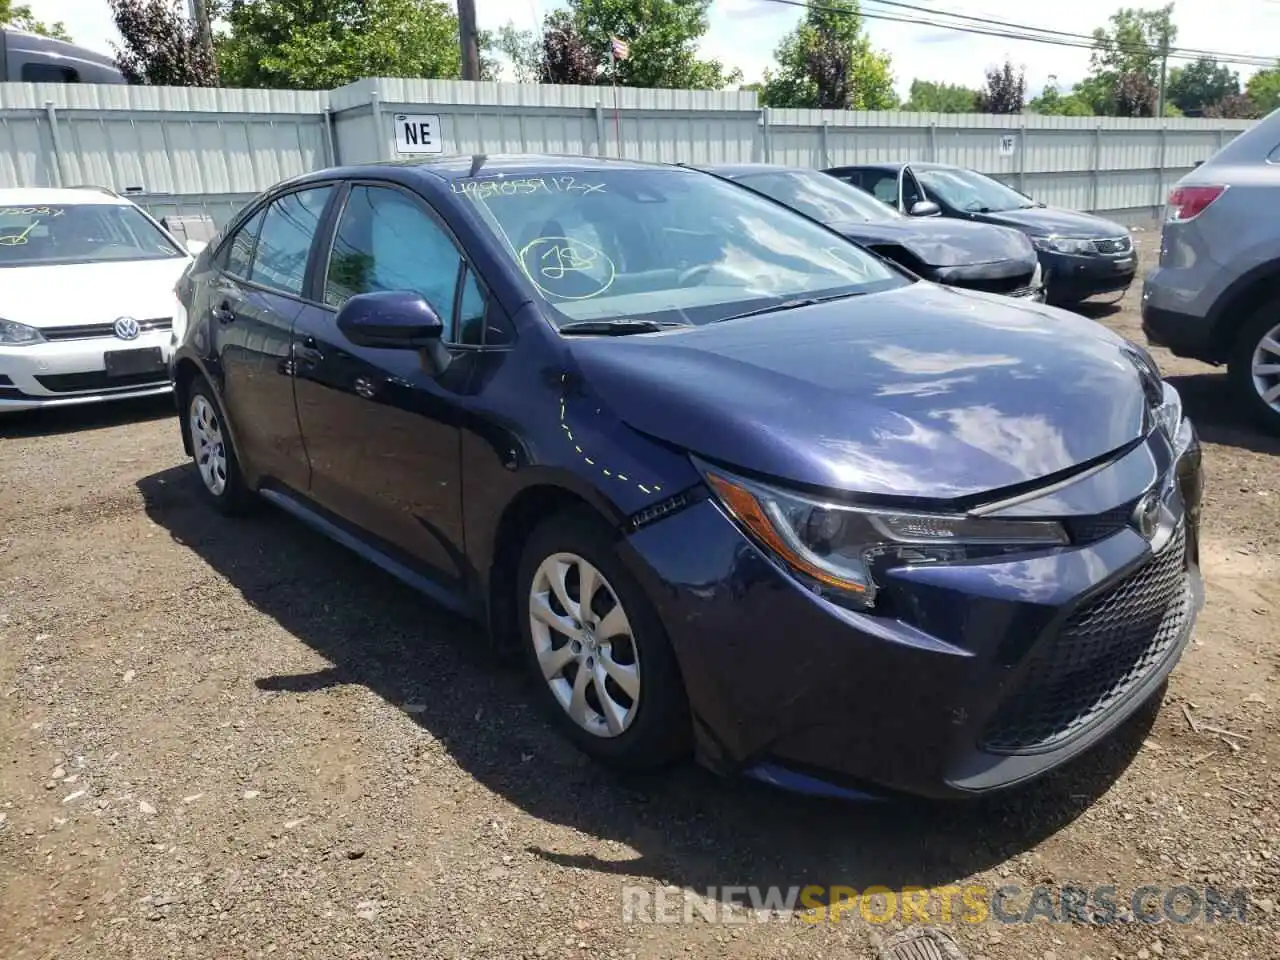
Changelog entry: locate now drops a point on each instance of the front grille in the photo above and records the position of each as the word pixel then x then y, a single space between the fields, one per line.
pixel 1101 525
pixel 91 331
pixel 98 380
pixel 1114 245
pixel 1104 650
pixel 1004 285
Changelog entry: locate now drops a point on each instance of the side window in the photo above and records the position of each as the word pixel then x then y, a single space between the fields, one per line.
pixel 284 242
pixel 884 187
pixel 386 241
pixel 34 72
pixel 471 310
pixel 911 194
pixel 237 256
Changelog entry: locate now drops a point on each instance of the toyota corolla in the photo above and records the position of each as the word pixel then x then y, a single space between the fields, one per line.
pixel 735 486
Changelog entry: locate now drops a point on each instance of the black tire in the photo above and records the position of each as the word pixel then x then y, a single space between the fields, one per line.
pixel 234 496
pixel 660 731
pixel 1240 365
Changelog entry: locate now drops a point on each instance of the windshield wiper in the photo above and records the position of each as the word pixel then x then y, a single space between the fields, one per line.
pixel 790 305
pixel 979 208
pixel 618 328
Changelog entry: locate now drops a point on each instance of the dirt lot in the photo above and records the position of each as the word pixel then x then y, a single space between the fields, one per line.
pixel 236 739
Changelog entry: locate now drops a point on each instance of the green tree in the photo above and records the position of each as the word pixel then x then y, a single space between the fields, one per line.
pixel 161 45
pixel 663 36
pixel 523 49
pixel 21 18
pixel 1125 62
pixel 1005 90
pixel 1198 85
pixel 827 61
pixel 320 44
pixel 1263 89
pixel 1236 106
pixel 1052 102
pixel 929 97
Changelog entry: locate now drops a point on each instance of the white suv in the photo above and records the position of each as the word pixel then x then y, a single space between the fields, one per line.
pixel 87 299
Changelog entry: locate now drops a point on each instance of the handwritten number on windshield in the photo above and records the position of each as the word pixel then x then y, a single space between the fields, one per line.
pixel 567 269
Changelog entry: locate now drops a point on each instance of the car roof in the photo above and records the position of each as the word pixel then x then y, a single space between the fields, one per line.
pixel 63 196
pixel 742 169
pixel 470 166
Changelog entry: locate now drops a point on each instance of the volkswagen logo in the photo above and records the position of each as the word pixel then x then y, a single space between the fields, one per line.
pixel 126 328
pixel 1146 515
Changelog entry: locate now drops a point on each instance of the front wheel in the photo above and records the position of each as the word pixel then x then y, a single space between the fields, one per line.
pixel 596 649
pixel 1254 366
pixel 214 454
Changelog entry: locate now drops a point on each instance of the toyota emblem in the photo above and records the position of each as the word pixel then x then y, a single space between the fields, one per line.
pixel 1146 515
pixel 127 328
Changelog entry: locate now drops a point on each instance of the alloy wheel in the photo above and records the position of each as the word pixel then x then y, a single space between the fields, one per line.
pixel 1265 368
pixel 584 644
pixel 210 449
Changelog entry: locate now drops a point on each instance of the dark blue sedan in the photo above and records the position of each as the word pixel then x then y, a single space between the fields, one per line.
pixel 732 484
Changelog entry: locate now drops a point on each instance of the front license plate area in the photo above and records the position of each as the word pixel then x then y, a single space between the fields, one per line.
pixel 131 363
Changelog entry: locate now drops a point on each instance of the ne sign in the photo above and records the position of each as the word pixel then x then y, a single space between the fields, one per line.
pixel 418 133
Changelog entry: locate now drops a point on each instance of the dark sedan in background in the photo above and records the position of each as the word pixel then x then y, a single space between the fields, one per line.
pixel 970 255
pixel 729 481
pixel 1082 255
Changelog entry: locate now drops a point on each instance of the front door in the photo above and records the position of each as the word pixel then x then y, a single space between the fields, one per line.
pixel 381 426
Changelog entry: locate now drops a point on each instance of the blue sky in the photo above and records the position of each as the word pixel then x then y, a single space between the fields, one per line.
pixel 744 32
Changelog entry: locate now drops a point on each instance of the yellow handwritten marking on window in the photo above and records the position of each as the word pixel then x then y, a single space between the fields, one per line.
pixel 564 268
pixel 17 239
pixel 30 212
pixel 523 186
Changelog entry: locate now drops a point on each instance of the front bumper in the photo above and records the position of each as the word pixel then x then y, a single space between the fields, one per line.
pixel 1072 278
pixel 974 678
pixel 1017 280
pixel 69 372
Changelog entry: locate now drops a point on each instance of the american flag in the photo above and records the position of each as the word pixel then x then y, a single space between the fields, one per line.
pixel 620 49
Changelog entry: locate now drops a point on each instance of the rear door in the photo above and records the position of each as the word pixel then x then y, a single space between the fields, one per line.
pixel 381 426
pixel 252 302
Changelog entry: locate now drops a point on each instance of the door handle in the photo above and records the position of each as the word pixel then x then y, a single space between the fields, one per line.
pixel 223 312
pixel 307 351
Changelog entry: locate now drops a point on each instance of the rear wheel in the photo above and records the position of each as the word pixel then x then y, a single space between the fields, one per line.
pixel 596 649
pixel 1254 366
pixel 213 452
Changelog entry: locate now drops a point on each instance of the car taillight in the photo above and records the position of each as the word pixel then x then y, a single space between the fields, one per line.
pixel 1187 203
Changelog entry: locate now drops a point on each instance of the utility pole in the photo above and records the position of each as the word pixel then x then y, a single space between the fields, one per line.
pixel 467 36
pixel 1164 67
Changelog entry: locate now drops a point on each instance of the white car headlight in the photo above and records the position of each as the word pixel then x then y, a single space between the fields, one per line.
pixel 18 334
pixel 1168 415
pixel 837 550
pixel 1064 244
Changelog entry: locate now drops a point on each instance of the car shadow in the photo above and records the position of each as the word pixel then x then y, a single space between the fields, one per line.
pixel 1097 310
pixel 687 827
pixel 89 416
pixel 1207 399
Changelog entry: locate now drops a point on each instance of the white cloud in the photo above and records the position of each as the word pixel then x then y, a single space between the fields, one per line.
pixel 744 33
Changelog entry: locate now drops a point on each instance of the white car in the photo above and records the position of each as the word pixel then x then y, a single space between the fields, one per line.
pixel 87 299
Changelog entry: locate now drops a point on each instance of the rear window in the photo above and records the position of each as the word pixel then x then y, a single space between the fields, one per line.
pixel 45 234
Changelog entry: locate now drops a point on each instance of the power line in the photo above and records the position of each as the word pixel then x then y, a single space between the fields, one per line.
pixel 1014 32
pixel 1089 38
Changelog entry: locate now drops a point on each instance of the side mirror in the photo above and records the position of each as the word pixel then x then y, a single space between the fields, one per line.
pixel 196 247
pixel 390 319
pixel 925 208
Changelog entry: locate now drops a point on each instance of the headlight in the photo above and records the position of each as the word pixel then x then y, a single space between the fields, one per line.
pixel 1064 244
pixel 838 550
pixel 18 334
pixel 1168 415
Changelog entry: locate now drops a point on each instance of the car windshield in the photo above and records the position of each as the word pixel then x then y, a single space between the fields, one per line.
pixel 63 233
pixel 971 191
pixel 820 196
pixel 663 245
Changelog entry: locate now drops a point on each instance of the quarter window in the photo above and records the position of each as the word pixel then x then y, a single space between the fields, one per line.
pixel 284 243
pixel 386 241
pixel 239 252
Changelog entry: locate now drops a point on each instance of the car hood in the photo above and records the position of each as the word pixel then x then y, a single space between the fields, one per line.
pixel 1051 221
pixel 81 293
pixel 940 242
pixel 922 391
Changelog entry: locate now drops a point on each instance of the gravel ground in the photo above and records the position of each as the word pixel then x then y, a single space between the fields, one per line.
pixel 224 739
